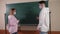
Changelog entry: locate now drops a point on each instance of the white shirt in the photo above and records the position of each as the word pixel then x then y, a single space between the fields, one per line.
pixel 44 20
pixel 12 25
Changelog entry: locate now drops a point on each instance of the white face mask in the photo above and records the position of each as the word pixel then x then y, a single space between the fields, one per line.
pixel 14 13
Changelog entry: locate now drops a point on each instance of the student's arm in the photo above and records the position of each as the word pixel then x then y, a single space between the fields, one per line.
pixel 39 25
pixel 38 18
pixel 17 21
pixel 47 19
pixel 7 26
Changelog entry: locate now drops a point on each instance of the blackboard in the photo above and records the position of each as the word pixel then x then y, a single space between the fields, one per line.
pixel 25 12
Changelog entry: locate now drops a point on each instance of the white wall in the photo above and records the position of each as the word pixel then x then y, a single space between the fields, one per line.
pixel 55 14
pixel 19 1
pixel 2 10
pixel 54 6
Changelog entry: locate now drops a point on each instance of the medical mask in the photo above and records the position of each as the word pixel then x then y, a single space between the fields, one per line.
pixel 14 13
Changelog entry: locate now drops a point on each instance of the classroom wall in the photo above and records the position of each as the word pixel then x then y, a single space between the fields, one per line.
pixel 19 1
pixel 54 6
pixel 2 10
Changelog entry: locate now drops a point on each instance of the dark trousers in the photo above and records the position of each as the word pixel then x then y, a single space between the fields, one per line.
pixel 43 32
pixel 15 33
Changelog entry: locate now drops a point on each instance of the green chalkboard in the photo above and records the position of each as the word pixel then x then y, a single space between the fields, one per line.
pixel 25 12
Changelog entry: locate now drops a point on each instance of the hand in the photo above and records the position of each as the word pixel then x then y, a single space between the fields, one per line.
pixel 17 20
pixel 37 17
pixel 38 28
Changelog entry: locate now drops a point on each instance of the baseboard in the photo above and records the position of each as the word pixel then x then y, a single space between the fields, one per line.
pixel 2 31
pixel 55 32
pixel 50 32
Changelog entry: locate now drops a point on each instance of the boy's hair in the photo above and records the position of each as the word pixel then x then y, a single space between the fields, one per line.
pixel 13 9
pixel 41 2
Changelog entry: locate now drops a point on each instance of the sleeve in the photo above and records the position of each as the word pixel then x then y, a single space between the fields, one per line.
pixel 10 20
pixel 47 18
pixel 40 24
pixel 41 18
pixel 7 26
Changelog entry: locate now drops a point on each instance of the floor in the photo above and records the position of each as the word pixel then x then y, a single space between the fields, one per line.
pixel 29 32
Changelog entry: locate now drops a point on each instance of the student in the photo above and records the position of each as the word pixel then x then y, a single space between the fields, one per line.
pixel 43 25
pixel 12 25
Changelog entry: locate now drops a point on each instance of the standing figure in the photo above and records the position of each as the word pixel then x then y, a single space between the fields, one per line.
pixel 12 25
pixel 43 25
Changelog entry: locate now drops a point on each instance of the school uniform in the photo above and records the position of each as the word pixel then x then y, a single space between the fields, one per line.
pixel 43 25
pixel 12 25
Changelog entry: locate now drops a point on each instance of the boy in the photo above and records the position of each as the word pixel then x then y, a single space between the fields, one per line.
pixel 43 25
